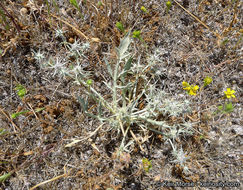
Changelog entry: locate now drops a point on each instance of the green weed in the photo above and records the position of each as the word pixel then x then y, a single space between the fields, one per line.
pixel 226 108
pixel 21 90
pixel 3 131
pixel 120 26
pixel 75 4
pixel 5 177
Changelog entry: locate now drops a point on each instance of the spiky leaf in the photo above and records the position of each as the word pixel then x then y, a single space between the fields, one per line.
pixel 83 104
pixel 123 47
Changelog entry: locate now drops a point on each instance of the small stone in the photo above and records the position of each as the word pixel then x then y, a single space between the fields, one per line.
pixel 71 40
pixel 23 11
pixel 237 129
pixel 231 156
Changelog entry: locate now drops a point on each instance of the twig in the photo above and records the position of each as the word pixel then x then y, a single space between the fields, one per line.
pixel 11 17
pixel 50 180
pixel 233 19
pixel 197 19
pixel 10 120
pixel 79 140
pixel 136 139
pixel 76 30
pixel 33 111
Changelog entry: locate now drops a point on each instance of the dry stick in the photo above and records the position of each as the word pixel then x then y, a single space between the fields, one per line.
pixel 33 111
pixel 202 23
pixel 136 139
pixel 98 19
pixel 11 83
pixel 11 17
pixel 76 30
pixel 233 20
pixel 148 22
pixel 79 140
pixel 23 165
pixel 53 179
pixel 106 11
pixel 10 120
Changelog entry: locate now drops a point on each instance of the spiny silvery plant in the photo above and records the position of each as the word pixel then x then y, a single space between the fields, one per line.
pixel 122 111
pixel 62 65
pixel 180 157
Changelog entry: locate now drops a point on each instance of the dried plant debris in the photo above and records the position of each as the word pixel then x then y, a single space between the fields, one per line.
pixel 120 94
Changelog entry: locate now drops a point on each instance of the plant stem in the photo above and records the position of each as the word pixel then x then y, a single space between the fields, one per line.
pixel 11 17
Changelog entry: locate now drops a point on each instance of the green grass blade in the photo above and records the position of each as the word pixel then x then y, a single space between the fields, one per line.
pixel 5 177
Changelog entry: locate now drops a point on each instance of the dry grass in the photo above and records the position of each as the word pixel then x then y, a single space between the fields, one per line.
pixel 190 41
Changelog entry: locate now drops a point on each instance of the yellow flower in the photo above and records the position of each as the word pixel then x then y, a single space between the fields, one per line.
pixel 168 4
pixel 193 90
pixel 187 88
pixel 185 84
pixel 147 165
pixel 144 9
pixel 207 81
pixel 229 93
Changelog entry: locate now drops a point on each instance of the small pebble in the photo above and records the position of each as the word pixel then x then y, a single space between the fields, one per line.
pixel 23 11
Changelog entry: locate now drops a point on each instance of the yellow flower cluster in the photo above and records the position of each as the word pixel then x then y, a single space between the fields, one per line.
pixel 191 90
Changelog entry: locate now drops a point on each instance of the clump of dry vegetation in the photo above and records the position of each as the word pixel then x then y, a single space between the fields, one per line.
pixel 120 94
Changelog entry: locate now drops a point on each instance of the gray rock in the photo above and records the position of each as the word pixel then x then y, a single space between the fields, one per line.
pixel 237 129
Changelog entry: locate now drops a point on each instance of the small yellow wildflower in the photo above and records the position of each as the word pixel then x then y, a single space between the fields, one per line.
pixel 185 84
pixel 207 81
pixel 147 165
pixel 229 93
pixel 187 88
pixel 193 90
pixel 144 9
pixel 168 4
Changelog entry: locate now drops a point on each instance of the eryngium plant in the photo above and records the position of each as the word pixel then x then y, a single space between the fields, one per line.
pixel 122 111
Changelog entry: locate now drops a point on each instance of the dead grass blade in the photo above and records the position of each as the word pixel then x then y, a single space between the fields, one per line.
pixel 75 141
pixel 76 30
pixel 197 19
pixel 53 179
pixel 15 126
